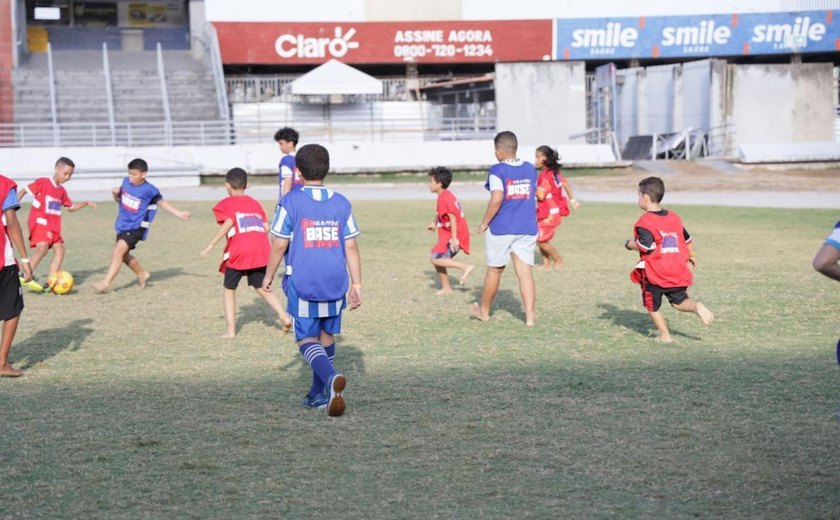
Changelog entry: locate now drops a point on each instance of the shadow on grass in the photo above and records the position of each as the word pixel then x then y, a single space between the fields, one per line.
pixel 257 311
pixel 48 343
pixel 506 300
pixel 80 277
pixel 634 320
pixel 157 276
pixel 434 282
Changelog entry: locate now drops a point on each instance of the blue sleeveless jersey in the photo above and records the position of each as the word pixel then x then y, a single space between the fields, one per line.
pixel 518 213
pixel 317 222
pixel 138 206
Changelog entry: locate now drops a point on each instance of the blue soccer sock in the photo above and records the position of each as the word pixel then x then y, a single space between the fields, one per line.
pixel 322 368
pixel 318 385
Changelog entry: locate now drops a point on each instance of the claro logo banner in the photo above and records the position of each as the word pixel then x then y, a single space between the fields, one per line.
pixel 697 36
pixel 385 42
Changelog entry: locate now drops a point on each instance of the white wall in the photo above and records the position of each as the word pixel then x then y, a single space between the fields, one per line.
pixel 277 11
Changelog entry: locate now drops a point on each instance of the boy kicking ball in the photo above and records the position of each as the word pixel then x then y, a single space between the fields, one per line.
pixel 666 258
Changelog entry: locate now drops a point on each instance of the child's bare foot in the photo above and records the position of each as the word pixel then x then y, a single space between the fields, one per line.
pixel 705 314
pixel 143 278
pixel 10 371
pixel 467 270
pixel 100 287
pixel 664 339
pixel 476 312
pixel 445 290
pixel 558 263
pixel 228 335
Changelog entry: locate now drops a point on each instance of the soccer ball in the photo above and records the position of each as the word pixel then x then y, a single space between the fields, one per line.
pixel 61 282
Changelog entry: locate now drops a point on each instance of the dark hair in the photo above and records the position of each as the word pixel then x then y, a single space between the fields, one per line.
pixel 287 134
pixel 65 161
pixel 442 175
pixel 552 159
pixel 653 187
pixel 506 141
pixel 138 164
pixel 313 161
pixel 237 178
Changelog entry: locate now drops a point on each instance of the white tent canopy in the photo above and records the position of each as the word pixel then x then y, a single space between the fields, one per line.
pixel 335 78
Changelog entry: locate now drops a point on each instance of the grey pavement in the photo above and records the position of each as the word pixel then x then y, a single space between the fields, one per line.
pixel 475 191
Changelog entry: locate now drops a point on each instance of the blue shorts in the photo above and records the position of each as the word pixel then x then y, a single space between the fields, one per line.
pixel 312 327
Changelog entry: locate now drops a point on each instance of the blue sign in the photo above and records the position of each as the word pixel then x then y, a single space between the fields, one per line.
pixel 697 36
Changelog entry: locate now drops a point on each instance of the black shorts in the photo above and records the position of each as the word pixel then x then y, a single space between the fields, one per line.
pixel 255 277
pixel 131 237
pixel 652 295
pixel 11 294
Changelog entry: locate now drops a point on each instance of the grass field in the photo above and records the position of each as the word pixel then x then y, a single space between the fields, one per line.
pixel 132 407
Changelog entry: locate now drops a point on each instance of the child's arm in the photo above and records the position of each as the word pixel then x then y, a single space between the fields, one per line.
pixel 21 192
pixel 286 185
pixel 223 230
pixel 354 264
pixel 13 227
pixel 826 261
pixel 278 249
pixel 165 204
pixel 76 207
pixel 692 256
pixel 116 194
pixel 572 200
pixel 454 244
pixel 496 197
pixel 433 225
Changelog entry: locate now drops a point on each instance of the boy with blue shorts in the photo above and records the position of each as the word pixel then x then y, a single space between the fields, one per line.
pixel 315 234
pixel 511 225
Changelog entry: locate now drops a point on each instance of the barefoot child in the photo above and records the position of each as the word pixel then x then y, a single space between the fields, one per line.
pixel 453 230
pixel 552 205
pixel 243 221
pixel 138 200
pixel 510 221
pixel 49 196
pixel 666 258
pixel 11 299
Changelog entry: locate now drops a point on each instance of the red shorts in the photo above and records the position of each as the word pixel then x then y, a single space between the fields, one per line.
pixel 40 234
pixel 547 227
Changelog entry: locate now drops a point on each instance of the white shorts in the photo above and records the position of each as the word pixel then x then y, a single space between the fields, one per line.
pixel 499 248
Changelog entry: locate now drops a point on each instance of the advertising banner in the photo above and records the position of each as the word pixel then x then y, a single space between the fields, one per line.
pixel 385 42
pixel 697 36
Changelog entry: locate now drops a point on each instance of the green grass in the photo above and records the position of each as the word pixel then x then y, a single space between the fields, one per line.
pixel 133 407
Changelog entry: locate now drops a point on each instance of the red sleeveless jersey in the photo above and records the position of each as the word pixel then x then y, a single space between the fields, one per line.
pixel 247 242
pixel 47 200
pixel 666 265
pixel 6 185
pixel 448 203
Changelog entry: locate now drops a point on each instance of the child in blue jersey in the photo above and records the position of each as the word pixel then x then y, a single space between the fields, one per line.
pixel 315 234
pixel 287 177
pixel 827 261
pixel 510 221
pixel 138 200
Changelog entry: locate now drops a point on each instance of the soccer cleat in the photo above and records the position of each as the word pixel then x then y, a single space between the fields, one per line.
pixel 316 403
pixel 335 386
pixel 32 285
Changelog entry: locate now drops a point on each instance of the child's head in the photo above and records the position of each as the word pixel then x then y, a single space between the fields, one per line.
pixel 439 179
pixel 287 139
pixel 137 170
pixel 547 157
pixel 64 168
pixel 313 162
pixel 651 192
pixel 506 145
pixel 236 179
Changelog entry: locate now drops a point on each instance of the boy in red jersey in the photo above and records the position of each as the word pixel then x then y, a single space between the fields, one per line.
pixel 452 228
pixel 49 196
pixel 666 258
pixel 243 221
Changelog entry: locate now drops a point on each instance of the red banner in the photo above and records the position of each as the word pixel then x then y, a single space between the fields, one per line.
pixel 384 42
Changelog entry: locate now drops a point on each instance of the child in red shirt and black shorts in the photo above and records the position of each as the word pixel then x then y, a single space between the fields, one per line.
pixel 242 220
pixel 666 258
pixel 452 228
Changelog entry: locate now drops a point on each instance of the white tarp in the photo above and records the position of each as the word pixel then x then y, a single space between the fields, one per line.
pixel 335 78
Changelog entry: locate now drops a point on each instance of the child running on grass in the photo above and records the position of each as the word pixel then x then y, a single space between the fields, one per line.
pixel 242 221
pixel 666 258
pixel 315 231
pixel 11 298
pixel 552 204
pixel 453 230
pixel 138 200
pixel 49 196
pixel 510 221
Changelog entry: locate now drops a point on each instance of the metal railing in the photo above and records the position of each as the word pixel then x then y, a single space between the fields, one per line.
pixel 212 45
pixel 184 133
pixel 164 94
